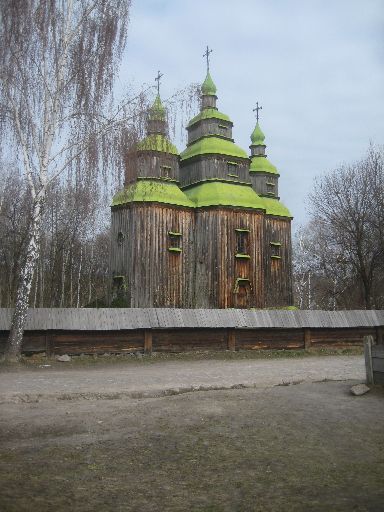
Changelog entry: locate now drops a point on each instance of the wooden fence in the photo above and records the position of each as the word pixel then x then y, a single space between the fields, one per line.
pixel 90 331
pixel 374 361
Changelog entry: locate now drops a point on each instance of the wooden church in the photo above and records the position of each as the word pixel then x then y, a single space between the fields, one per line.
pixel 203 228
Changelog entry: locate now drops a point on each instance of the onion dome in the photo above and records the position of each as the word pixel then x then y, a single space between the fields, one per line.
pixel 157 111
pixel 257 137
pixel 208 88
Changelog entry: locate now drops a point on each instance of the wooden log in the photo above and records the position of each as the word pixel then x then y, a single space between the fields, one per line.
pixel 307 339
pixel 231 340
pixel 368 341
pixel 148 341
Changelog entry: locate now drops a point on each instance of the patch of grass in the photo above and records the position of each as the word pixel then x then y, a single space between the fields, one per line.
pixel 88 360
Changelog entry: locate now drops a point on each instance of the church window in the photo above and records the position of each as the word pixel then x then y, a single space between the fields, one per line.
pixel 270 188
pixel 165 170
pixel 275 250
pixel 223 129
pixel 232 168
pixel 120 238
pixel 242 243
pixel 174 241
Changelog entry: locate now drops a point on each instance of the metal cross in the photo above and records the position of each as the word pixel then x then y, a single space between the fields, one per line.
pixel 157 79
pixel 206 54
pixel 257 111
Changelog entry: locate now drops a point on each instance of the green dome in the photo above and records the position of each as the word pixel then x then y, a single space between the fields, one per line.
pixel 276 208
pixel 208 88
pixel 209 113
pixel 217 193
pixel 213 145
pixel 157 142
pixel 257 136
pixel 157 191
pixel 262 164
pixel 157 111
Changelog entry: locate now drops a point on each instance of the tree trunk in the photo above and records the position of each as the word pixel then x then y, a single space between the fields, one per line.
pixel 13 347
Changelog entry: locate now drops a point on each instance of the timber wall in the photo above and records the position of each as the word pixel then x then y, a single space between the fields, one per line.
pixel 91 331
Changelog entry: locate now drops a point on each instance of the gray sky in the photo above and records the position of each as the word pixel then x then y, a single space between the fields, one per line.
pixel 316 67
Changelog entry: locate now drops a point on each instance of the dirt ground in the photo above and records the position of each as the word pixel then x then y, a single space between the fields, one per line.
pixel 304 447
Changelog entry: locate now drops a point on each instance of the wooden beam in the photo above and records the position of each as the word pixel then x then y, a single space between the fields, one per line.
pixel 368 342
pixel 379 336
pixel 231 340
pixel 147 341
pixel 307 338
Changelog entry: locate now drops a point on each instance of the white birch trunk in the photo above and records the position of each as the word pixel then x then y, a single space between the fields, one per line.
pixel 15 339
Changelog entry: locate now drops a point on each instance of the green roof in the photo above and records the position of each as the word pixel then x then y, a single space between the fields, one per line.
pixel 157 142
pixel 275 207
pixel 152 191
pixel 257 136
pixel 209 113
pixel 208 88
pixel 213 145
pixel 217 193
pixel 157 111
pixel 262 164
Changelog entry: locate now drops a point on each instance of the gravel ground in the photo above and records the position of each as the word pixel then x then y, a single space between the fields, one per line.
pixel 156 379
pixel 109 439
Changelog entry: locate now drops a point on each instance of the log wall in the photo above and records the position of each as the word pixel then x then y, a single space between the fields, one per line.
pixel 187 340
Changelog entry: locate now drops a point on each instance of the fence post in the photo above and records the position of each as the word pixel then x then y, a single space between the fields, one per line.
pixel 368 341
pixel 307 338
pixel 231 340
pixel 147 341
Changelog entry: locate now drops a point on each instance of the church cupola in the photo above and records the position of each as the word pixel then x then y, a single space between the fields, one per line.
pixel 208 88
pixel 257 138
pixel 157 117
pixel 264 175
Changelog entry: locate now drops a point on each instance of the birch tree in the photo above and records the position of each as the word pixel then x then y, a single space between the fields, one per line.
pixel 58 61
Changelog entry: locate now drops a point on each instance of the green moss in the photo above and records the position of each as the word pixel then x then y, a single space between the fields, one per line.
pixel 209 113
pixel 157 142
pixel 208 88
pixel 262 164
pixel 217 193
pixel 276 208
pixel 213 145
pixel 257 136
pixel 152 191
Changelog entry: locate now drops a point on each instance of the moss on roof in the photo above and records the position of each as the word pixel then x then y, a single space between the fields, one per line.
pixel 157 142
pixel 257 136
pixel 262 164
pixel 276 208
pixel 152 191
pixel 217 193
pixel 208 88
pixel 213 145
pixel 209 113
pixel 157 111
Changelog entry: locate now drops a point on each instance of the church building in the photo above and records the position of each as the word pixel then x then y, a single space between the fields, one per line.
pixel 204 228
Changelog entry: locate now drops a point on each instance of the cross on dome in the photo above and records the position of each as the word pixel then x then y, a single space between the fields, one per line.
pixel 257 111
pixel 208 51
pixel 157 79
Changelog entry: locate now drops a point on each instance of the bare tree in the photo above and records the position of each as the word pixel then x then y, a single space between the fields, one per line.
pixel 347 220
pixel 57 66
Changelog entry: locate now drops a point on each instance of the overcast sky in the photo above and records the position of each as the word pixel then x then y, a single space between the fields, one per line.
pixel 316 67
